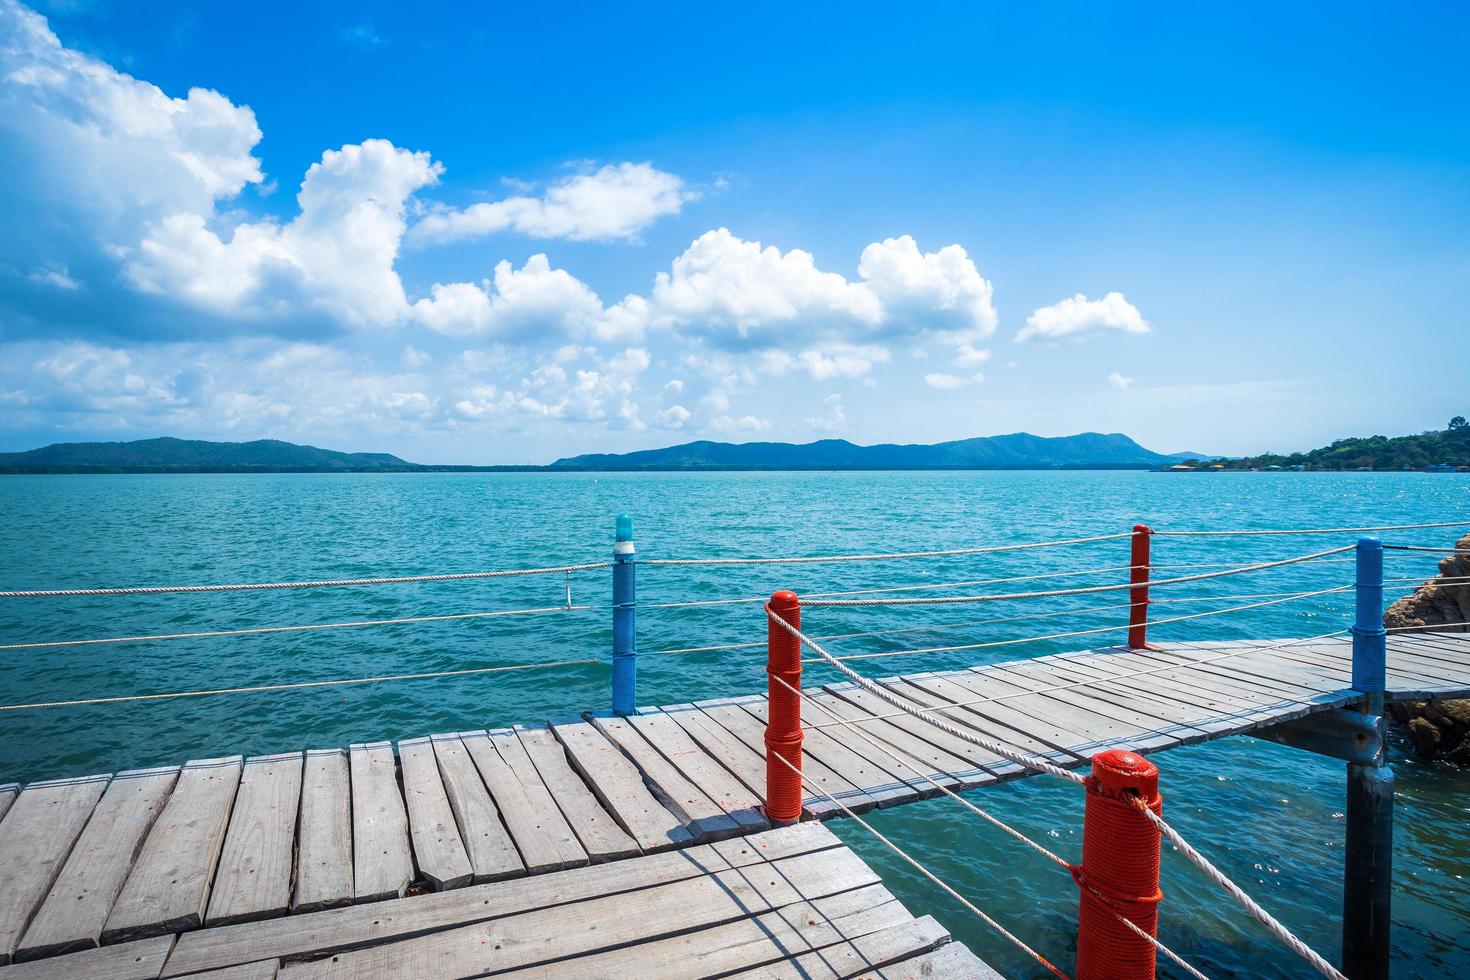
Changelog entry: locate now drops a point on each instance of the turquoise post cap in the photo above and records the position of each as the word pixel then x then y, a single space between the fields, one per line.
pixel 625 528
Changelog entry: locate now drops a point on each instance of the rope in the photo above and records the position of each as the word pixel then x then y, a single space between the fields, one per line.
pixel 903 704
pixel 886 556
pixel 256 587
pixel 1199 860
pixel 895 588
pixel 256 631
pixel 878 742
pixel 1086 632
pixel 290 687
pixel 1098 681
pixel 1315 530
pixel 1236 892
pixel 1083 590
pixel 1442 551
pixel 927 873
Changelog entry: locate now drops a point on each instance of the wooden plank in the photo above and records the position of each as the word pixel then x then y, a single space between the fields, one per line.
pixel 36 836
pixel 382 862
pixel 259 970
pixel 815 773
pixel 862 955
pixel 542 835
pixel 1149 712
pixel 674 744
pixel 140 960
pixel 525 940
pixel 1004 721
pixel 75 911
pixel 491 852
pixel 950 960
pixel 438 848
pixel 882 740
pixel 619 787
pixel 760 940
pixel 599 833
pixel 739 759
pixel 976 763
pixel 8 793
pixel 883 781
pixel 702 816
pixel 324 841
pixel 339 929
pixel 169 884
pixel 254 880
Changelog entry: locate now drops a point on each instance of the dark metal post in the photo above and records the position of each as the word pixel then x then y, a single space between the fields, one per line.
pixel 1368 869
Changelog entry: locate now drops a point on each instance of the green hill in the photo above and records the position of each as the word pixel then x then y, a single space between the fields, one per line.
pixel 1448 446
pixel 194 455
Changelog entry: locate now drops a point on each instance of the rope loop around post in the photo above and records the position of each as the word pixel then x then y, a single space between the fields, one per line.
pixel 1119 870
pixel 783 724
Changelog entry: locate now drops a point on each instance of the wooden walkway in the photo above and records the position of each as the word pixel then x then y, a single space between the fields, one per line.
pixel 215 847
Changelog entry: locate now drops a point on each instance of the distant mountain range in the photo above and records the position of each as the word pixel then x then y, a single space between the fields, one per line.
pixel 1089 450
pixel 194 456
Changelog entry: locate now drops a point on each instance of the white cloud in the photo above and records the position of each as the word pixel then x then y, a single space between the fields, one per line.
pixel 1080 315
pixel 950 381
pixel 533 302
pixel 744 424
pixel 55 275
pixel 673 417
pixel 940 292
pixel 96 140
pixel 1118 381
pixel 617 201
pixel 967 356
pixel 833 417
pixel 336 256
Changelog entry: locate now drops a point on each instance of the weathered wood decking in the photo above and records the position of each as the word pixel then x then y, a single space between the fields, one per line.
pixel 213 848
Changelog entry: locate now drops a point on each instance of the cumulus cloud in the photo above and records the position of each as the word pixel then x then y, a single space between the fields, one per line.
pixel 949 381
pixel 533 302
pixel 616 201
pixel 1118 381
pixel 743 424
pixel 1079 315
pixel 833 417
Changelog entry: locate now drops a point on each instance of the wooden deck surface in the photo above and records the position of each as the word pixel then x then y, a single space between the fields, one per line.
pixel 238 848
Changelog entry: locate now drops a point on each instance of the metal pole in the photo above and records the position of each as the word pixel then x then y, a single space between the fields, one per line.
pixel 1368 869
pixel 624 603
pixel 1138 595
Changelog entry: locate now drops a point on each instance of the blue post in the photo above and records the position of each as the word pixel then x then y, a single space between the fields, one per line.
pixel 625 598
pixel 1368 864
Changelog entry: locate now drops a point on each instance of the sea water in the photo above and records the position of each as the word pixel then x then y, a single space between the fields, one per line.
pixel 1269 816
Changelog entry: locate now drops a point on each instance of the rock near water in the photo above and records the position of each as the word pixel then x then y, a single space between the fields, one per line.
pixel 1439 729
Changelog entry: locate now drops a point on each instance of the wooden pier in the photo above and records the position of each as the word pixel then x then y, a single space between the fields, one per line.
pixel 548 841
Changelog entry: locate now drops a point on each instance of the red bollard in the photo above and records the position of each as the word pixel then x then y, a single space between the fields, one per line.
pixel 1138 595
pixel 1120 860
pixel 783 724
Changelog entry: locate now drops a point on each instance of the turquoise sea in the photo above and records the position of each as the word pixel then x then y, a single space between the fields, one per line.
pixel 1270 816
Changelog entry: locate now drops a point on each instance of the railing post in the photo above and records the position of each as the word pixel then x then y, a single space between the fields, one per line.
pixel 783 718
pixel 1368 866
pixel 1138 595
pixel 624 606
pixel 1120 862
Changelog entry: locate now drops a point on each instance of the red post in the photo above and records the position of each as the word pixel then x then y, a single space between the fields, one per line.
pixel 783 725
pixel 1120 860
pixel 1138 595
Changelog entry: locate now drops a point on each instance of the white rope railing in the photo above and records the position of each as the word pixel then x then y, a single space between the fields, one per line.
pixel 1081 590
pixel 1163 532
pixel 1123 627
pixel 1041 765
pixel 917 866
pixel 1099 681
pixel 299 685
pixel 324 584
pixel 895 754
pixel 266 630
pixel 883 556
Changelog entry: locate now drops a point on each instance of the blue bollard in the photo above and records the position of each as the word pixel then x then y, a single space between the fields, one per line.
pixel 625 597
pixel 1368 859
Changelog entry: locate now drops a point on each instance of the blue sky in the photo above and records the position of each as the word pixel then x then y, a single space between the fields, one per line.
pixel 482 233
